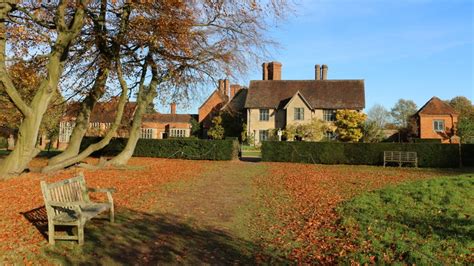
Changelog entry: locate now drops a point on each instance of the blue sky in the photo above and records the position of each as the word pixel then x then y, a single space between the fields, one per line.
pixel 412 49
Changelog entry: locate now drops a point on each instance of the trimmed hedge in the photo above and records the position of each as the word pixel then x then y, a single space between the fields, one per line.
pixel 192 149
pixel 429 154
pixel 427 140
pixel 3 143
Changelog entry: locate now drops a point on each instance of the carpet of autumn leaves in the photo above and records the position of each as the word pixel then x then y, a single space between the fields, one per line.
pixel 307 230
pixel 20 240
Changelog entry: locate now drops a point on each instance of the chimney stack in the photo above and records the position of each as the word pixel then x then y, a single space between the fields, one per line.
pixel 265 71
pixel 325 72
pixel 274 71
pixel 226 87
pixel 317 72
pixel 173 108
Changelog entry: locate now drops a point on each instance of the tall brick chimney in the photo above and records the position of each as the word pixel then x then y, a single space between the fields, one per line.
pixel 173 108
pixel 265 71
pixel 224 86
pixel 317 72
pixel 325 72
pixel 274 71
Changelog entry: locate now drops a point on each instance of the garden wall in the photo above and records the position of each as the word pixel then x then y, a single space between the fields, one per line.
pixel 429 154
pixel 193 149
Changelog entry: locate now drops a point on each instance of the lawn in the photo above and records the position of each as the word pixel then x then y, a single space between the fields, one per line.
pixel 194 212
pixel 423 222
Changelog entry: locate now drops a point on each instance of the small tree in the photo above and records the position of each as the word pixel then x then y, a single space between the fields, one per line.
pixel 217 130
pixel 243 134
pixel 402 111
pixel 195 127
pixel 372 132
pixel 313 131
pixel 349 125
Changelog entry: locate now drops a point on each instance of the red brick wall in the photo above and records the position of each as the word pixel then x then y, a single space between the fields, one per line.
pixel 427 129
pixel 210 107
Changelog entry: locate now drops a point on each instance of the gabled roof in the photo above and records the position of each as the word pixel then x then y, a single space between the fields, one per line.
pixel 298 94
pixel 236 104
pixel 320 94
pixel 167 118
pixel 436 106
pixel 223 97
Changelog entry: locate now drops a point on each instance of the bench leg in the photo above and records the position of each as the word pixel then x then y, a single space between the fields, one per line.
pixel 51 233
pixel 112 214
pixel 80 234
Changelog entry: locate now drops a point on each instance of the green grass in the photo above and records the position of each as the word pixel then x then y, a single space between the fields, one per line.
pixel 251 151
pixel 423 222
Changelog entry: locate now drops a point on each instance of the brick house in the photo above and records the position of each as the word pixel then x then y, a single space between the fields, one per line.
pixel 273 103
pixel 154 126
pixel 222 96
pixel 437 120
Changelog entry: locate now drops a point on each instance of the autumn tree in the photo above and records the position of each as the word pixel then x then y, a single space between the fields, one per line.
pixel 379 115
pixel 42 33
pixel 217 130
pixel 465 125
pixel 402 111
pixel 349 125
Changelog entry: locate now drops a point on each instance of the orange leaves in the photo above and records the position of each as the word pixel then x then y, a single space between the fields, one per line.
pixel 137 189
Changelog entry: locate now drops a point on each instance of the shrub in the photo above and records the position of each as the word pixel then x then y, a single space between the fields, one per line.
pixel 3 143
pixel 429 154
pixel 193 149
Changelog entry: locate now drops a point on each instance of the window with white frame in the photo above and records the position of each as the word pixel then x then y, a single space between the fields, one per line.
pixel 263 135
pixel 299 113
pixel 65 131
pixel 329 115
pixel 178 133
pixel 94 125
pixel 146 133
pixel 438 125
pixel 264 114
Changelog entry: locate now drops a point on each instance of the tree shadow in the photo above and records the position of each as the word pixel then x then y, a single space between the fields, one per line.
pixel 150 238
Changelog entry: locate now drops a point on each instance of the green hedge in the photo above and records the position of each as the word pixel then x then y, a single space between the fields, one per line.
pixel 429 154
pixel 3 143
pixel 427 140
pixel 193 149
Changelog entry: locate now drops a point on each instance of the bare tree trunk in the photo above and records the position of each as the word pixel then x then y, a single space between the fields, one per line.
pixel 103 142
pixel 145 97
pixel 82 120
pixel 25 149
pixel 122 158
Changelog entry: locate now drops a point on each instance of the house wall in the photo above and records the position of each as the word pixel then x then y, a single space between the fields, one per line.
pixel 255 125
pixel 161 128
pixel 297 102
pixel 426 128
pixel 213 103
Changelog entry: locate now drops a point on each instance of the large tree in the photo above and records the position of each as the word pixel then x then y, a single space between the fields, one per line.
pixel 465 126
pixel 402 112
pixel 41 32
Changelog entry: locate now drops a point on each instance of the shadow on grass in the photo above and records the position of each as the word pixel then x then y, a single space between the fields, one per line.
pixel 144 238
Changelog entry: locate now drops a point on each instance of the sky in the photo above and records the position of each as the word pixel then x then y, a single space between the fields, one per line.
pixel 411 49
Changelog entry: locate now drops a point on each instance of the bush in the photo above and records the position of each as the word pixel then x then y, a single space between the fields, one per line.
pixel 429 154
pixel 3 143
pixel 193 149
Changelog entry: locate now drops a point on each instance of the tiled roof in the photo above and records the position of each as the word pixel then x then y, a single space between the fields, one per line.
pixel 320 94
pixel 237 103
pixel 436 106
pixel 103 112
pixel 167 118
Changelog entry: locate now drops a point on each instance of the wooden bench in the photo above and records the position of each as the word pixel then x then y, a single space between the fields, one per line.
pixel 400 157
pixel 67 203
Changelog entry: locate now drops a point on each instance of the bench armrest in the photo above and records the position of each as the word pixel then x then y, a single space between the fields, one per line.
pixel 110 190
